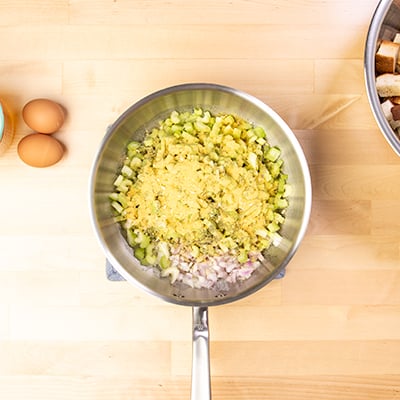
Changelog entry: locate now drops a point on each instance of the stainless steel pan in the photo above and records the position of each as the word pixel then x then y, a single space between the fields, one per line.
pixel 132 124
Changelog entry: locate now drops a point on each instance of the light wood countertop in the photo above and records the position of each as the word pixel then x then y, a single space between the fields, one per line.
pixel 330 329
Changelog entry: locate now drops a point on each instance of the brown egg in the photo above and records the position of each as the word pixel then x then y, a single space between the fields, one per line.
pixel 43 115
pixel 39 150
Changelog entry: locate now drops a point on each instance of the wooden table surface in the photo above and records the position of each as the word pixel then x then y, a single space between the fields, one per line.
pixel 330 329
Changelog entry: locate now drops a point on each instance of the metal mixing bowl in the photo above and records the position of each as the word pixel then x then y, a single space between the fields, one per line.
pixel 384 24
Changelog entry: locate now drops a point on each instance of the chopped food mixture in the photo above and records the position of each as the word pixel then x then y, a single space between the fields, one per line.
pixel 201 197
pixel 387 67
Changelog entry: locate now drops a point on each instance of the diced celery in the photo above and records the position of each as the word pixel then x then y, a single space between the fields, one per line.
pixel 262 232
pixel 163 249
pixel 117 207
pixel 188 127
pixel 145 242
pixel 131 236
pixel 288 190
pixel 123 200
pixel 124 185
pixel 130 154
pixel 173 272
pixel 252 138
pixel 276 238
pixel 265 243
pixel 135 163
pixel 274 169
pixel 164 262
pixel 133 145
pixel 215 130
pixel 114 196
pixel 126 171
pixel 150 258
pixel 139 236
pixel 273 227
pixel 243 256
pixel 259 131
pixel 206 117
pixel 139 253
pixel 281 203
pixel 273 154
pixel 278 218
pixel 229 120
pixel 167 123
pixel 119 180
pixel 201 126
pixel 175 117
pixel 150 248
pixel 176 129
pixel 148 141
pixel 281 183
pixel 267 176
pixel 236 133
pixel 227 130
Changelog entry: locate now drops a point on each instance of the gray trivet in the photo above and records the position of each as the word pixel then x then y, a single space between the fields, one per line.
pixel 112 273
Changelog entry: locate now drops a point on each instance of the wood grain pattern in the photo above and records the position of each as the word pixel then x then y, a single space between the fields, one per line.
pixel 329 330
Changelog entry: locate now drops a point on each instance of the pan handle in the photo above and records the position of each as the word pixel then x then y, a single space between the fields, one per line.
pixel 201 386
